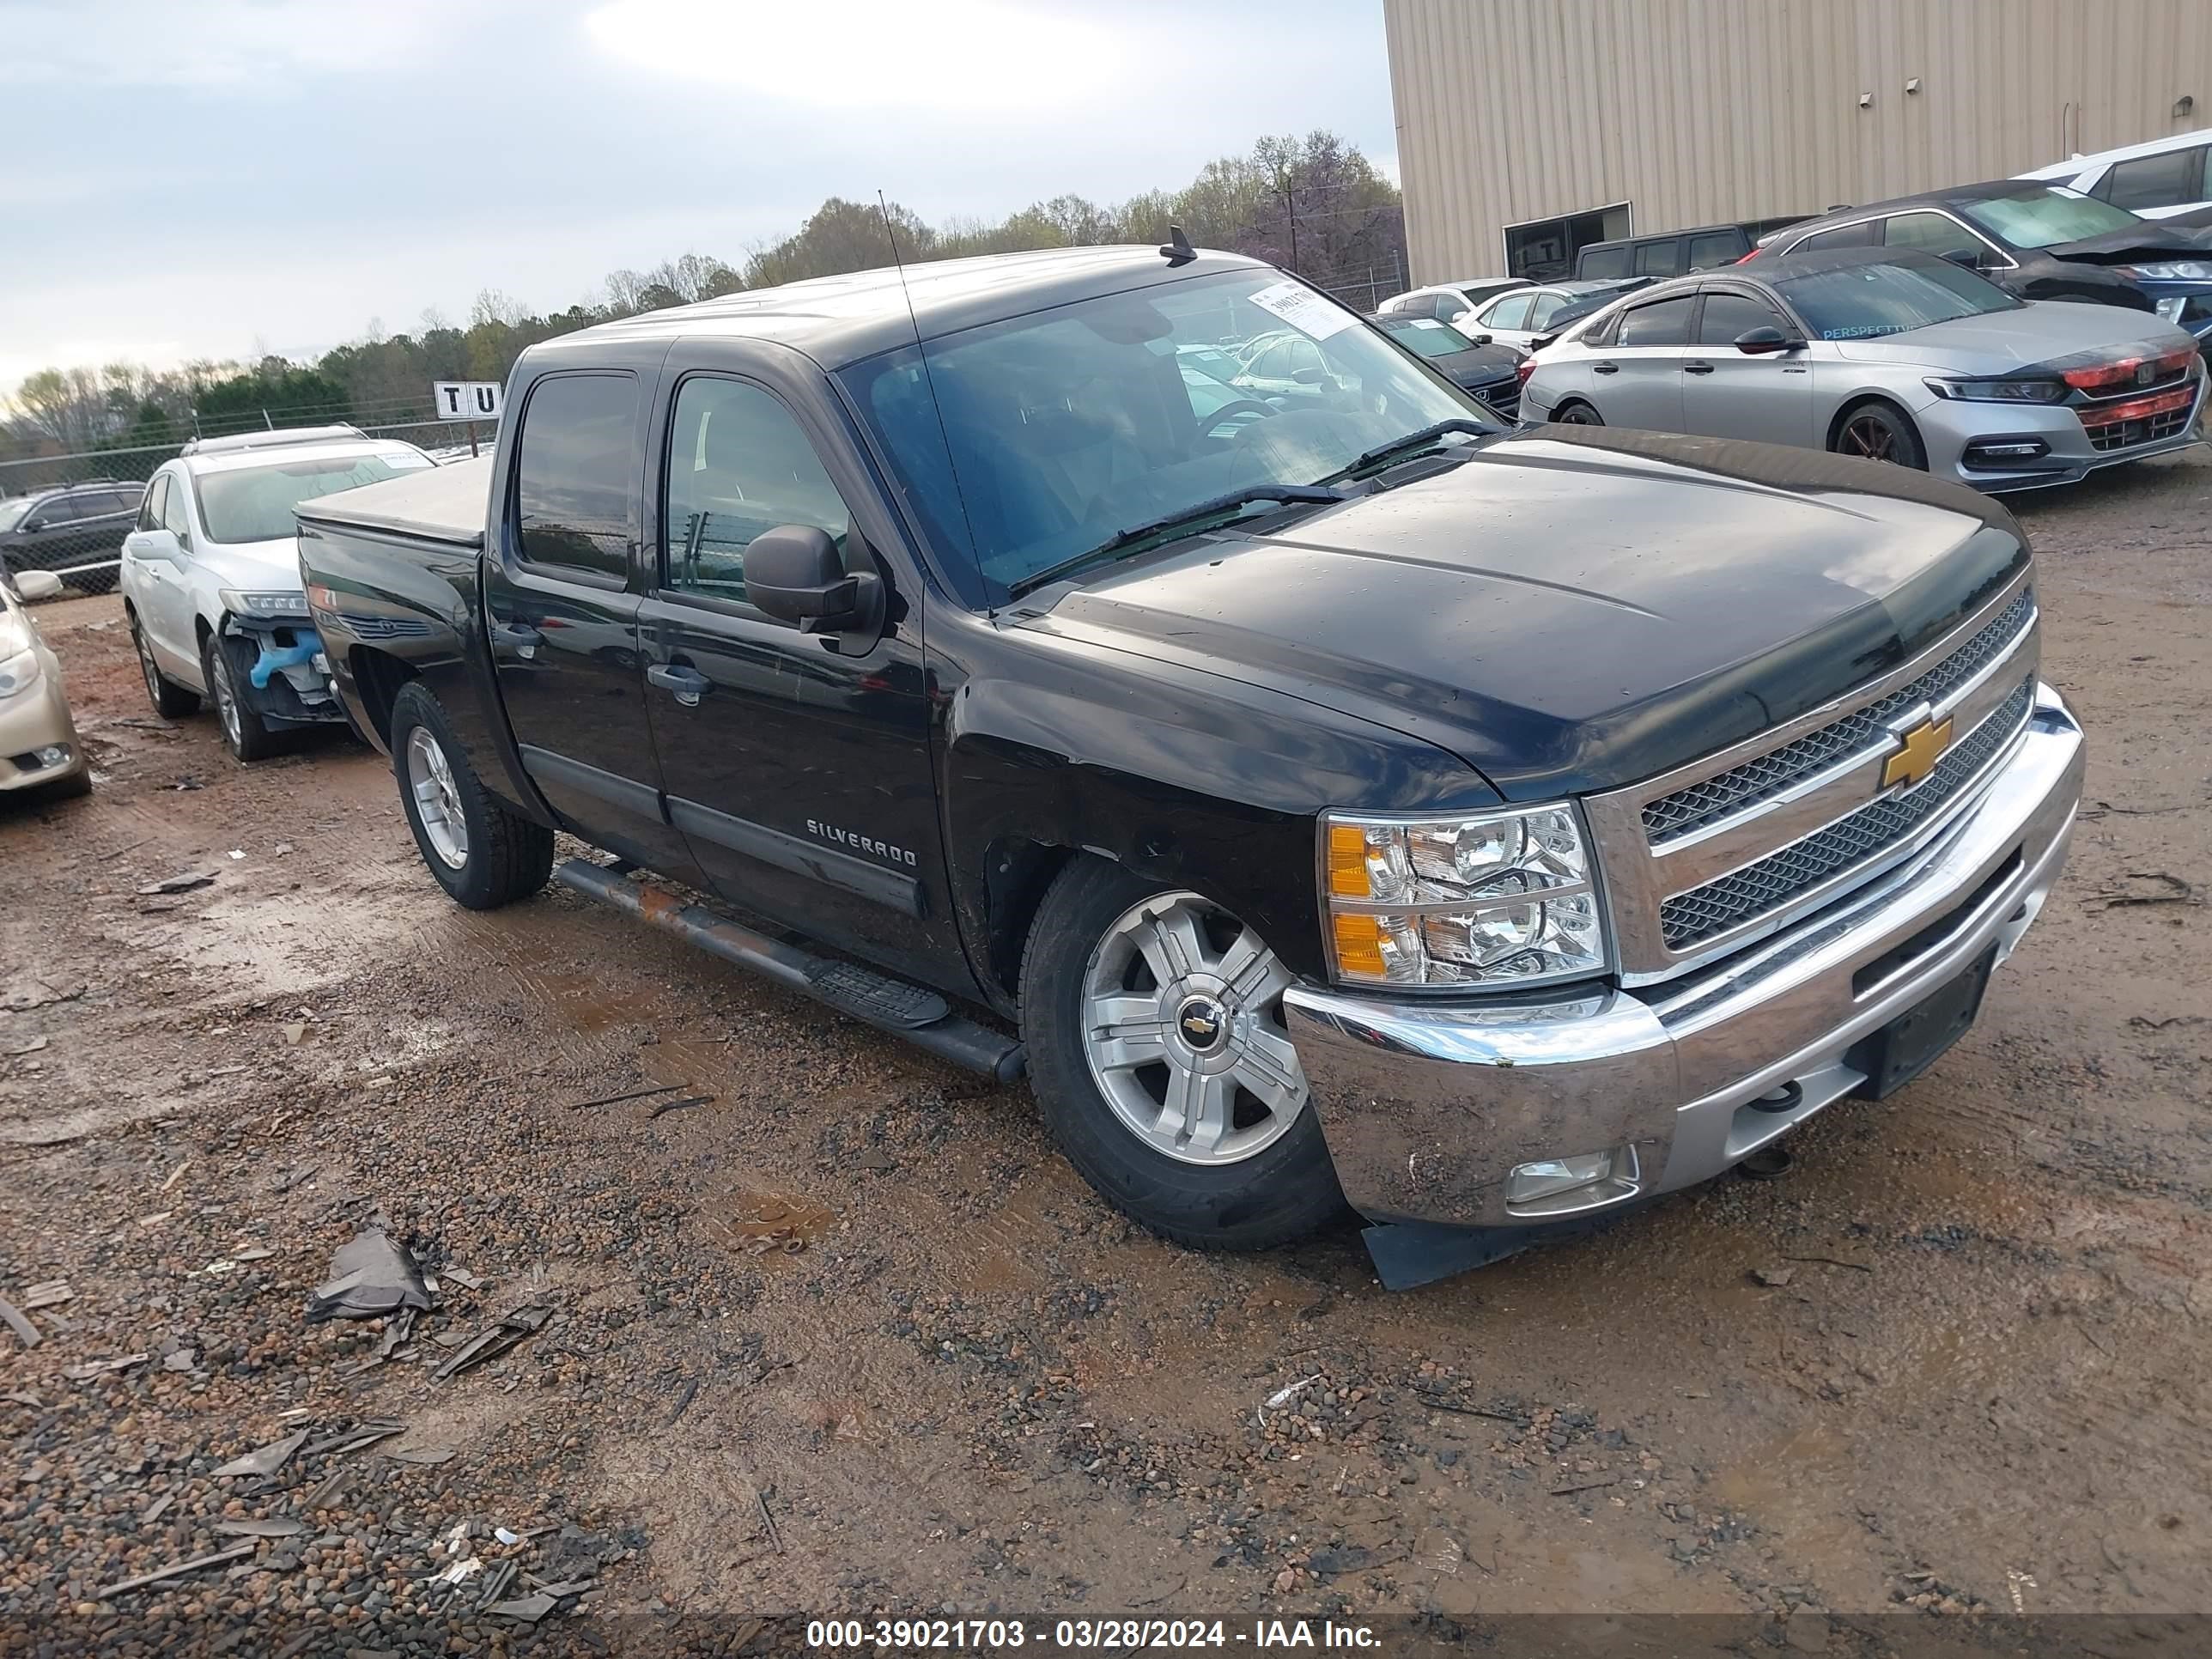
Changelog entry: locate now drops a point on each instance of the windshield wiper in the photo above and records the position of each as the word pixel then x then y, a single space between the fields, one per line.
pixel 1420 440
pixel 1189 518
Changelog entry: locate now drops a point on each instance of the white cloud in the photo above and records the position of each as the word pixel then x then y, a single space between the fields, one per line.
pixel 974 56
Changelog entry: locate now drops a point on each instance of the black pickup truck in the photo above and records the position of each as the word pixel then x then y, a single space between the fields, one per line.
pixel 1343 799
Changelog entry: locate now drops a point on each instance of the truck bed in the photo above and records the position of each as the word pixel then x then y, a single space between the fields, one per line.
pixel 439 503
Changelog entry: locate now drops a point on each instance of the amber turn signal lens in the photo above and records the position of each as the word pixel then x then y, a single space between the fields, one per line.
pixel 1359 945
pixel 1347 861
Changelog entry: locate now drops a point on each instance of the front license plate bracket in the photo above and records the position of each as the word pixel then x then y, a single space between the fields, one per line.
pixel 1900 1051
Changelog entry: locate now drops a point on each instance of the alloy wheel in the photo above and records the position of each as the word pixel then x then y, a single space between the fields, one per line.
pixel 1869 436
pixel 146 665
pixel 1182 1026
pixel 437 799
pixel 226 694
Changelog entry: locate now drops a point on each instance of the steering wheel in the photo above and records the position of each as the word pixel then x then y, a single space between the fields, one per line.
pixel 1236 406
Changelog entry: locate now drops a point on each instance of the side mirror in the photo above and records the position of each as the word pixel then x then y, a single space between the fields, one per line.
pixel 1970 258
pixel 37 584
pixel 793 574
pixel 1485 339
pixel 155 544
pixel 1765 341
pixel 1307 376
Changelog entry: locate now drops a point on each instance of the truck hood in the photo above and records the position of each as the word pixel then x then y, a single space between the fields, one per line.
pixel 1576 610
pixel 2044 332
pixel 2153 238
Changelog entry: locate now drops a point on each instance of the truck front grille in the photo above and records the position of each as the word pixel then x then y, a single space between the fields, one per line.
pixel 1677 814
pixel 1741 895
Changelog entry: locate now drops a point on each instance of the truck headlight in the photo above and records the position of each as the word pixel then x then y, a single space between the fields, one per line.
pixel 251 602
pixel 1500 899
pixel 2194 271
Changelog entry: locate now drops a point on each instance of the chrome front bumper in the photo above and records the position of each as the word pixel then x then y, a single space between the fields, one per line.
pixel 1428 1106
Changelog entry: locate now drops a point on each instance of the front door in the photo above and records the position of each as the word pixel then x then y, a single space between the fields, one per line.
pixel 158 586
pixel 563 622
pixel 1727 393
pixel 799 772
pixel 1638 382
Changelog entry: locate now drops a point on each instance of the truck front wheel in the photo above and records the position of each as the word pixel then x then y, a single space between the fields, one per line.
pixel 482 853
pixel 1154 1023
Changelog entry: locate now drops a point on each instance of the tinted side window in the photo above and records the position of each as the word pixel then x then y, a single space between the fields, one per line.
pixel 1660 258
pixel 1936 233
pixel 1716 248
pixel 1596 262
pixel 57 510
pixel 1664 322
pixel 2155 182
pixel 1859 235
pixel 574 482
pixel 150 510
pixel 1727 315
pixel 175 509
pixel 737 464
pixel 1540 312
pixel 1511 311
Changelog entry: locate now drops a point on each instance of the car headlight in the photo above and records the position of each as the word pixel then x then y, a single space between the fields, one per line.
pixel 2171 307
pixel 249 602
pixel 1495 899
pixel 2192 271
pixel 2000 392
pixel 19 672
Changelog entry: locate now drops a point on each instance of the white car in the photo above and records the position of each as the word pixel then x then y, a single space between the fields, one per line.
pixel 211 578
pixel 2156 180
pixel 1448 301
pixel 1529 316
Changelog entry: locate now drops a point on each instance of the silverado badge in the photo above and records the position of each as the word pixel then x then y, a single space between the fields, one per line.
pixel 1918 751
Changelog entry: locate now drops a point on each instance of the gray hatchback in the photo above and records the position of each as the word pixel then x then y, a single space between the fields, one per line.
pixel 1887 354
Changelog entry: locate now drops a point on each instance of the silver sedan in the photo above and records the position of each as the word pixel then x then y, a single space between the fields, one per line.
pixel 1885 353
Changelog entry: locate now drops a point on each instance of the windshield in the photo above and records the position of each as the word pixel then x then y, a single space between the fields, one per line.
pixel 255 503
pixel 1863 301
pixel 1049 433
pixel 2045 218
pixel 11 513
pixel 1425 336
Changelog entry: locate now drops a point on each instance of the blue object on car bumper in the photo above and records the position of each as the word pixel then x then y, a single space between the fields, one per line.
pixel 1430 1107
pixel 275 658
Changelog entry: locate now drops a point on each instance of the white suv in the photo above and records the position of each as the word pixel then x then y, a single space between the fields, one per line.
pixel 211 577
pixel 2159 179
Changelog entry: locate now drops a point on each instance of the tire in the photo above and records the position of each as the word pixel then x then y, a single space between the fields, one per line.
pixel 1876 431
pixel 1268 1180
pixel 243 733
pixel 170 701
pixel 1576 412
pixel 500 856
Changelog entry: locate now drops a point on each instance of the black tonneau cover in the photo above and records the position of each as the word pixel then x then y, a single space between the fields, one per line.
pixel 438 503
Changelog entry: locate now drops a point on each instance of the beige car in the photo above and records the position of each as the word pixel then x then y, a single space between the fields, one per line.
pixel 40 751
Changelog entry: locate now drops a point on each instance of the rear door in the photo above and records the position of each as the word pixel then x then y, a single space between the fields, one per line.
pixel 563 617
pixel 1728 394
pixel 2159 187
pixel 797 765
pixel 1637 381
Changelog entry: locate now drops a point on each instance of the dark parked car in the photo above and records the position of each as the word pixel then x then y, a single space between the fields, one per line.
pixel 2038 241
pixel 1321 804
pixel 1482 366
pixel 1676 253
pixel 76 530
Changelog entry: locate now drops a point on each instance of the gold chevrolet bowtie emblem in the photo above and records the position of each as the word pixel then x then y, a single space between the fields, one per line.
pixel 1917 752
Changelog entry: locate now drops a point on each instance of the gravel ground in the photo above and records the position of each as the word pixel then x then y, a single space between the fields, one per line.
pixel 848 1336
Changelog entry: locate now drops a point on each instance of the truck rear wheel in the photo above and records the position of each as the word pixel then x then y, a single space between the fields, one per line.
pixel 483 853
pixel 1154 1019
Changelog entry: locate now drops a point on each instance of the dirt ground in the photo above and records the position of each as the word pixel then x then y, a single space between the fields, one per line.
pixel 849 1337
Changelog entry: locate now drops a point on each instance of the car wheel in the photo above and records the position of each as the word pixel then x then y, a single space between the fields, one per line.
pixel 1575 414
pixel 1879 432
pixel 170 701
pixel 1154 1023
pixel 243 733
pixel 483 853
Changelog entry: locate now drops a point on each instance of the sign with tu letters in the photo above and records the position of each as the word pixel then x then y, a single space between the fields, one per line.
pixel 466 400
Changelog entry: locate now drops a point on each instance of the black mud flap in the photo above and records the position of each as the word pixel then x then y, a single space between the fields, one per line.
pixel 1408 1255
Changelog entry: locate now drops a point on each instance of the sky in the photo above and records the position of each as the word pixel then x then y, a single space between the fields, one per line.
pixel 231 177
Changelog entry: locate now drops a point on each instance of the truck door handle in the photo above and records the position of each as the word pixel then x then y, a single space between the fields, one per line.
pixel 518 637
pixel 1605 369
pixel 1697 368
pixel 688 684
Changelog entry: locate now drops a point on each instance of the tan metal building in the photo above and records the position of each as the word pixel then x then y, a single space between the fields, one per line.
pixel 1527 128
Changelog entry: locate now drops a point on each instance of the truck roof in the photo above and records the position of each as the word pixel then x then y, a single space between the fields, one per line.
pixel 838 321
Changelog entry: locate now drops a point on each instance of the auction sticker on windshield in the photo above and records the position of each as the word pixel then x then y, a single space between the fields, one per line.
pixel 1303 309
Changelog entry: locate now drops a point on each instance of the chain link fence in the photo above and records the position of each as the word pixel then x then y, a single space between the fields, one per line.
pixel 69 513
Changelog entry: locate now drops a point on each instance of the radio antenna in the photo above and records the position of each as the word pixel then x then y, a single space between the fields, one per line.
pixel 929 381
